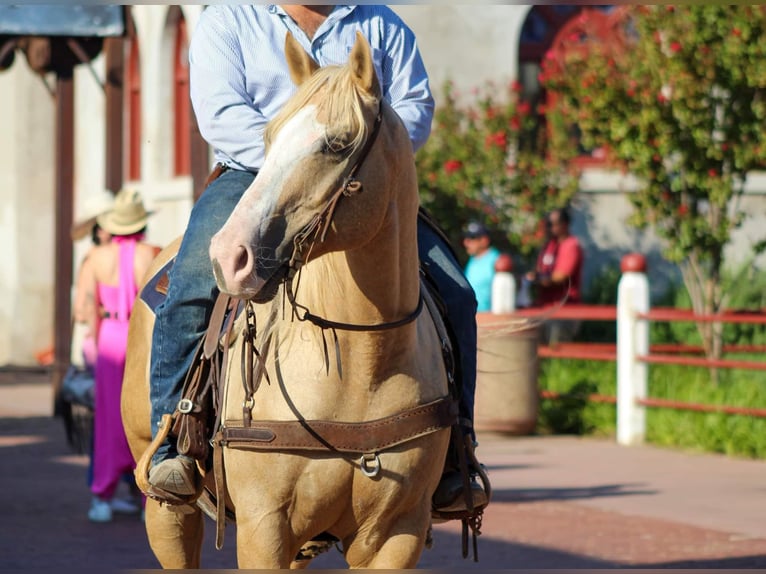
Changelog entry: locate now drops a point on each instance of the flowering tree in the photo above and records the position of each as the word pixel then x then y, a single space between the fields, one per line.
pixel 487 159
pixel 682 107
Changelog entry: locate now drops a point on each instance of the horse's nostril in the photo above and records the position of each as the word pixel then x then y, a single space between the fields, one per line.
pixel 241 259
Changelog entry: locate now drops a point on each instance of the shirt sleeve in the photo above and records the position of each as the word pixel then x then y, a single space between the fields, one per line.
pixel 218 91
pixel 405 81
pixel 568 258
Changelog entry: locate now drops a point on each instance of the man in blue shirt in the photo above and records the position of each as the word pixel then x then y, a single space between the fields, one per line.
pixel 480 269
pixel 239 81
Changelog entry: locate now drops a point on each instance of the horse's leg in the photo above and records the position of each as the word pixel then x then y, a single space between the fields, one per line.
pixel 264 542
pixel 299 564
pixel 175 537
pixel 398 547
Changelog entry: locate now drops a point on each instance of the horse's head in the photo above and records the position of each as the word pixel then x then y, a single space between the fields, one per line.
pixel 326 132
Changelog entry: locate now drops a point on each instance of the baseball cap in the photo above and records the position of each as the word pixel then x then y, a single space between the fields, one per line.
pixel 475 229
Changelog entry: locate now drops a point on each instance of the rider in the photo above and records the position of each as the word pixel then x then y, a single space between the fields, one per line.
pixel 239 81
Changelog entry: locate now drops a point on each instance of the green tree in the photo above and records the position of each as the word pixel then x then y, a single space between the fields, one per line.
pixel 682 107
pixel 488 158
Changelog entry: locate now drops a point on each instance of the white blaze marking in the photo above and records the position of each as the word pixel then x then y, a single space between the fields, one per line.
pixel 293 144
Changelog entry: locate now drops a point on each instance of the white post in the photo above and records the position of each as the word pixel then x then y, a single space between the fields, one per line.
pixel 632 341
pixel 503 286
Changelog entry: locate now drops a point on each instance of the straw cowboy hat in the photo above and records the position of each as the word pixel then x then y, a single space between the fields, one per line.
pixel 128 216
pixel 96 204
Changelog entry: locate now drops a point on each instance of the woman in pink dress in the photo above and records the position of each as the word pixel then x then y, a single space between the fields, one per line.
pixel 114 272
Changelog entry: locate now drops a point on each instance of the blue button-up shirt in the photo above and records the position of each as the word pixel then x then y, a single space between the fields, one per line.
pixel 239 76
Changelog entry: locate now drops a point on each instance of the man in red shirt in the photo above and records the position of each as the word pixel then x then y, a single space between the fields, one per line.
pixel 557 277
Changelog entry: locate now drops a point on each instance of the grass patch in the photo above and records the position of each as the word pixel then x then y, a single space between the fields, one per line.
pixel 733 435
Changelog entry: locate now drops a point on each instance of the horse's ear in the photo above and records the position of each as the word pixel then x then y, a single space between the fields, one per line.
pixel 363 68
pixel 301 65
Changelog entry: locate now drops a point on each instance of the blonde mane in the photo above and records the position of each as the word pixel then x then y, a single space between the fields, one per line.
pixel 334 91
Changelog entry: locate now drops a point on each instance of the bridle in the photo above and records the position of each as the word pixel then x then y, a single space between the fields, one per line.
pixel 320 223
pixel 316 230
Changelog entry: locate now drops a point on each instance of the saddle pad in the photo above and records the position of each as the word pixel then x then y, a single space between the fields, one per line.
pixel 156 289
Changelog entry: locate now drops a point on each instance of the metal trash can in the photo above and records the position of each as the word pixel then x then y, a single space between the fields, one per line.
pixel 507 394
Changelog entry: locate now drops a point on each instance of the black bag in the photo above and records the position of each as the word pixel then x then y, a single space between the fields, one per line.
pixel 78 387
pixel 74 404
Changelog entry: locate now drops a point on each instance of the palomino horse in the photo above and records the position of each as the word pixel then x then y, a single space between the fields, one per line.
pixel 323 245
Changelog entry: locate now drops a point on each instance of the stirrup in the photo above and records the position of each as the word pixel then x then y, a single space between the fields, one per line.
pixel 142 470
pixel 468 468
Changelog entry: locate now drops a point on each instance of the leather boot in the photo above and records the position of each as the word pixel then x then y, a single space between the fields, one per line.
pixel 177 475
pixel 450 496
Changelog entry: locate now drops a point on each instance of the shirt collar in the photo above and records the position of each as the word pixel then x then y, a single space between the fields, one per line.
pixel 341 10
pixel 338 13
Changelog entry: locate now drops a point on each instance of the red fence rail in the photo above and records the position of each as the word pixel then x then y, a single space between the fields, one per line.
pixel 660 354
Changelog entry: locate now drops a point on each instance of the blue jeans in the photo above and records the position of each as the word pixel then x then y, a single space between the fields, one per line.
pixel 181 320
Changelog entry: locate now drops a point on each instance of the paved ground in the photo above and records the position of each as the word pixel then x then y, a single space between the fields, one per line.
pixel 560 502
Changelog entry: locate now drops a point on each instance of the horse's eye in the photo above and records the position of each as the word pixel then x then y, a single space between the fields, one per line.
pixel 335 144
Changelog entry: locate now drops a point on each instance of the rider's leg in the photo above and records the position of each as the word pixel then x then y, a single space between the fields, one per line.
pixel 182 318
pixel 460 301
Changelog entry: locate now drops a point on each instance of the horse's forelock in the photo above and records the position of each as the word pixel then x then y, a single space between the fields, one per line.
pixel 340 103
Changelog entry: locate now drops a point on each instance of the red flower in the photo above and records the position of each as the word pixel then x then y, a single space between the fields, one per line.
pixel 682 210
pixel 523 108
pixel 516 86
pixel 452 165
pixel 515 123
pixel 675 47
pixel 495 139
pixel 712 172
pixel 737 32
